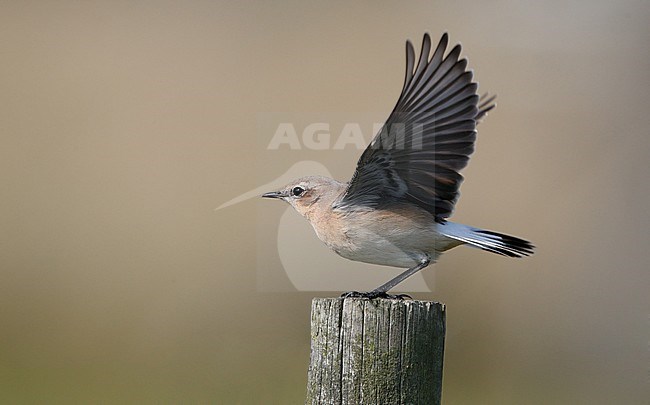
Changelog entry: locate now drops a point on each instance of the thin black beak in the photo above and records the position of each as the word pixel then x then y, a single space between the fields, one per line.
pixel 273 194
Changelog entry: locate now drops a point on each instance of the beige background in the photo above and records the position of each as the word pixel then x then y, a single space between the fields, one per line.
pixel 124 124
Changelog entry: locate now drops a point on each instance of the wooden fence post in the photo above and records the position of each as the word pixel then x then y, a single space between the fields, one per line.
pixel 375 351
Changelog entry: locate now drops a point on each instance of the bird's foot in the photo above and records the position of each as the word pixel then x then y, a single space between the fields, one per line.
pixel 375 294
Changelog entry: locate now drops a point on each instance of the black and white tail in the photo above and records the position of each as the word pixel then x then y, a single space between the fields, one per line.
pixel 494 242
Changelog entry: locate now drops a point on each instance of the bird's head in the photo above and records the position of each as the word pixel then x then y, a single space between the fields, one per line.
pixel 307 194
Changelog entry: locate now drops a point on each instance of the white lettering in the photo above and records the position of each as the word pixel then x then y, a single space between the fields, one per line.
pixel 285 134
pixel 316 136
pixel 351 134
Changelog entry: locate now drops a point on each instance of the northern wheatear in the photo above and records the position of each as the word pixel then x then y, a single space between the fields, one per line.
pixel 394 210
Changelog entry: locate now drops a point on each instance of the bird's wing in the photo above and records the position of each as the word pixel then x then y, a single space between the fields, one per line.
pixel 427 139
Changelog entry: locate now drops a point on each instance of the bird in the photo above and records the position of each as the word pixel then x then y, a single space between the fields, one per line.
pixel 394 210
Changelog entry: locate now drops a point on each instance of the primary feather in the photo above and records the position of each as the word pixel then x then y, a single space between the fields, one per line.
pixel 426 140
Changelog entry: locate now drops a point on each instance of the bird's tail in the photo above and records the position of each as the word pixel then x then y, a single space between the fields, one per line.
pixel 494 242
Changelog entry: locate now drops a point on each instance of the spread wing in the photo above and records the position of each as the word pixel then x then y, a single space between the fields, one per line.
pixel 427 139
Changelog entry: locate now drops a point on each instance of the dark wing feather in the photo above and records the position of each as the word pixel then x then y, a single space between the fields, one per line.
pixel 427 139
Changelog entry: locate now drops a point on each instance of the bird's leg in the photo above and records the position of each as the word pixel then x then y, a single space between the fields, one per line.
pixel 372 295
pixel 382 290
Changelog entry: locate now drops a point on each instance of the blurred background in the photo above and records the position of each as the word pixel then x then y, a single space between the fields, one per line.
pixel 123 125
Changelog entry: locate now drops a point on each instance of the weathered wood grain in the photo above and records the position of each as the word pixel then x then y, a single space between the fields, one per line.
pixel 376 351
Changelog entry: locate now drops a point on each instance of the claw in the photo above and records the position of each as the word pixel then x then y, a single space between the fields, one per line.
pixel 375 294
pixel 351 294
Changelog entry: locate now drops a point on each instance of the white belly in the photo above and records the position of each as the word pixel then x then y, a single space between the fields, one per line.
pixel 399 243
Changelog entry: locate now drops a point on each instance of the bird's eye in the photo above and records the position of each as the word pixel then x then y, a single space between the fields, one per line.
pixel 297 191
